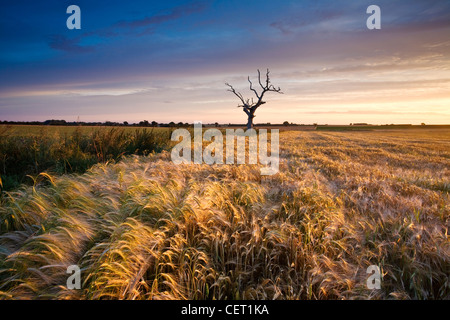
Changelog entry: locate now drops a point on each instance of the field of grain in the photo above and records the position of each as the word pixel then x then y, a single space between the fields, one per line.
pixel 145 228
pixel 27 150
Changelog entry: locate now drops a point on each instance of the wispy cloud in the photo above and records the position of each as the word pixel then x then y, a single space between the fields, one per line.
pixel 320 53
pixel 370 112
pixel 148 23
pixel 63 43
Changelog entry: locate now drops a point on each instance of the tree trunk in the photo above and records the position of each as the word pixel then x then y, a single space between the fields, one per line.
pixel 250 121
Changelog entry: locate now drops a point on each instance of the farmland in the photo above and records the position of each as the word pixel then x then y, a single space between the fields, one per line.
pixel 26 151
pixel 142 227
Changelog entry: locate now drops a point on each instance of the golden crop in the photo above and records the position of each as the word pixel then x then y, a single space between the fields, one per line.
pixel 145 228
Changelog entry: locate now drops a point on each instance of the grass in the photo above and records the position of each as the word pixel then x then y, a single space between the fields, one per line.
pixel 26 151
pixel 145 228
pixel 33 130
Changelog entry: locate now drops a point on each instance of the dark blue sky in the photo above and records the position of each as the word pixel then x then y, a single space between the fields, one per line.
pixel 168 60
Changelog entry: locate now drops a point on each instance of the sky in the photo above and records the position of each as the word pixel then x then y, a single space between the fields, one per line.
pixel 169 61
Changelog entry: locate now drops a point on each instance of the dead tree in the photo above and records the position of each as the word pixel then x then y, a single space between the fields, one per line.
pixel 249 105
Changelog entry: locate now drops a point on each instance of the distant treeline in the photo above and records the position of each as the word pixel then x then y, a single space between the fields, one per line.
pixel 144 123
pixel 54 122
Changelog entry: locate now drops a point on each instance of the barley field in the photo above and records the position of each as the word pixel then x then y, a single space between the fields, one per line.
pixel 145 228
pixel 27 150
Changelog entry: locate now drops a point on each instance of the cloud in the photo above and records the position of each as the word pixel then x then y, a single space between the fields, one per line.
pixel 175 13
pixel 282 27
pixel 62 43
pixel 306 20
pixel 136 27
pixel 369 112
pixel 402 17
pixel 321 55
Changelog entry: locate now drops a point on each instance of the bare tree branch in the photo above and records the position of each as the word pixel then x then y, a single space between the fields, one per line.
pixel 251 87
pixel 238 94
pixel 250 106
pixel 259 79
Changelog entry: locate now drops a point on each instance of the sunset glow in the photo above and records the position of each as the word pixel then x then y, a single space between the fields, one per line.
pixel 164 61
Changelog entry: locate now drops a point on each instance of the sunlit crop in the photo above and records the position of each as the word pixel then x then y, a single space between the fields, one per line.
pixel 145 228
